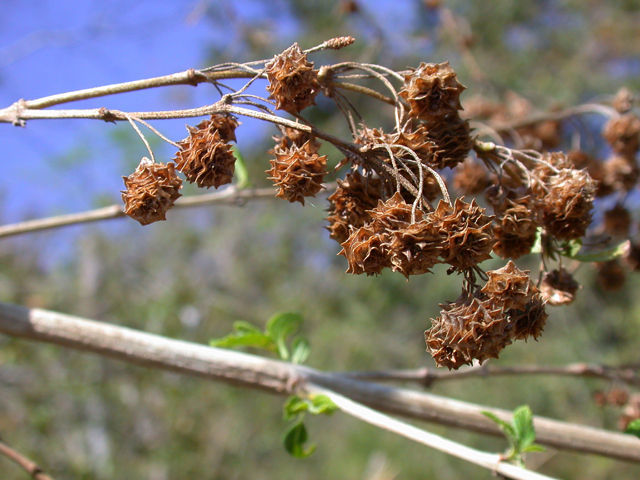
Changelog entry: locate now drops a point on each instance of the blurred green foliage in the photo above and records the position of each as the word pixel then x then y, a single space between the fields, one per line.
pixel 82 416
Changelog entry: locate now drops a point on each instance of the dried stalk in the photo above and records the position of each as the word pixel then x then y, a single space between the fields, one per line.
pixel 278 377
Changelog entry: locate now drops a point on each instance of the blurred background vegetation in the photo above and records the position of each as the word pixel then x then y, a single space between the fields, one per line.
pixel 81 416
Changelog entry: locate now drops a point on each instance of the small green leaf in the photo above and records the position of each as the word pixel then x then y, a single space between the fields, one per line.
pixel 300 350
pixel 244 335
pixel 633 428
pixel 525 434
pixel 321 404
pixel 604 255
pixel 295 406
pixel 507 428
pixel 279 327
pixel 295 439
pixel 241 169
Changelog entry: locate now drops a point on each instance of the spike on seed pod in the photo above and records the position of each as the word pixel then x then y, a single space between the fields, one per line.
pixel 151 190
pixel 205 157
pixel 293 83
pixel 297 172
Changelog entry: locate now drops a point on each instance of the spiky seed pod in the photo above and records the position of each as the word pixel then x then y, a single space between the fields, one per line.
pixel 467 330
pixel 581 160
pixel 617 221
pixel 565 200
pixel 610 276
pixel 470 178
pixel 415 249
pixel 432 91
pixel 150 191
pixel 559 287
pixel 392 214
pixel 621 173
pixel 509 287
pixel 205 157
pixel 529 321
pixel 348 205
pixel 225 125
pixel 293 83
pixel 466 232
pixel 515 227
pixel 297 173
pixel 623 134
pixel 451 143
pixel 416 137
pixel 366 251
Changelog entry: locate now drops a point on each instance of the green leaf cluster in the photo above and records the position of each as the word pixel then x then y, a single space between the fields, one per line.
pixel 520 433
pixel 295 409
pixel 277 337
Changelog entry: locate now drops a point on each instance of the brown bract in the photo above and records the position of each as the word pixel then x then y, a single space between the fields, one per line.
pixel 432 90
pixel 205 157
pixel 150 191
pixel 509 287
pixel 297 172
pixel 559 287
pixel 466 231
pixel 293 83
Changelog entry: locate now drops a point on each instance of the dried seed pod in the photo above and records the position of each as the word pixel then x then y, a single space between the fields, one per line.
pixel 610 276
pixel 293 83
pixel 294 137
pixel 348 205
pixel 530 321
pixel 565 199
pixel 509 287
pixel 432 91
pixel 559 287
pixel 366 251
pixel 515 227
pixel 392 214
pixel 297 173
pixel 451 142
pixel 415 248
pixel 470 177
pixel 466 330
pixel 467 233
pixel 205 157
pixel 581 160
pixel 621 173
pixel 150 191
pixel 623 134
pixel 617 221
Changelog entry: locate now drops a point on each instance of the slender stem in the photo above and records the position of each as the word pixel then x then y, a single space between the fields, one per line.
pixel 278 377
pixel 23 462
pixel 230 196
pixel 490 461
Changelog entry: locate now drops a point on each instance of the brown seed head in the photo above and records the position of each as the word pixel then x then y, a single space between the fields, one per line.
pixel 559 287
pixel 621 173
pixel 515 227
pixel 466 232
pixel 470 178
pixel 293 83
pixel 297 173
pixel 623 134
pixel 150 191
pixel 617 221
pixel 205 157
pixel 432 91
pixel 348 205
pixel 366 251
pixel 611 276
pixel 529 321
pixel 509 287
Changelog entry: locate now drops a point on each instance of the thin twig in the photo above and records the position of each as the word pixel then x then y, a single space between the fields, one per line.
pixel 23 462
pixel 490 461
pixel 256 372
pixel 427 376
